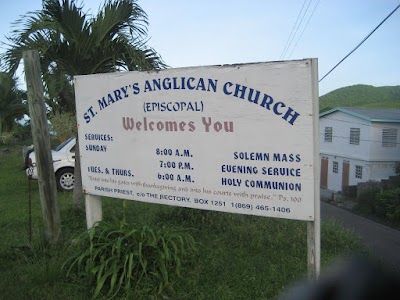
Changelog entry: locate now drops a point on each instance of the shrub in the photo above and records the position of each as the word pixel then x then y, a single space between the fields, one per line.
pixel 389 203
pixel 121 256
pixel 64 124
pixel 21 132
pixel 367 203
pixel 397 168
pixel 7 138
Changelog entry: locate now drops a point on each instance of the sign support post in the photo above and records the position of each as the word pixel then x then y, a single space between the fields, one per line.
pixel 313 245
pixel 94 210
pixel 314 227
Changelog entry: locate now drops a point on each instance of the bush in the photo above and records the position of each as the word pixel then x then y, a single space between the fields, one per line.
pixel 22 132
pixel 397 168
pixel 118 257
pixel 388 203
pixel 367 203
pixel 64 124
pixel 7 138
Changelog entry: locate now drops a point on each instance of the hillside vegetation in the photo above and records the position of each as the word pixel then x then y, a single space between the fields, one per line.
pixel 362 96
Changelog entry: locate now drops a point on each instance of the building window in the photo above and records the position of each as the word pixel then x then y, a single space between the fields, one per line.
pixel 355 136
pixel 389 137
pixel 328 134
pixel 335 167
pixel 359 171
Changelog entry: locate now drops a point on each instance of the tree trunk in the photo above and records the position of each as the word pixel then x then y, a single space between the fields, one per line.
pixel 78 192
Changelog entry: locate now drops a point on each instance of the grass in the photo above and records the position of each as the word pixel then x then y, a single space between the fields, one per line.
pixel 238 256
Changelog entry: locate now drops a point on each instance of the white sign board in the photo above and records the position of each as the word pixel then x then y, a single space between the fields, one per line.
pixel 237 138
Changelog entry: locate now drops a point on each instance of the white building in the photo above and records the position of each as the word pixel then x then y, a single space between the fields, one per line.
pixel 358 145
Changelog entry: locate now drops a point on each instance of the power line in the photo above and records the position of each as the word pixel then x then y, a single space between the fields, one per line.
pixel 297 28
pixel 294 26
pixel 304 29
pixel 360 43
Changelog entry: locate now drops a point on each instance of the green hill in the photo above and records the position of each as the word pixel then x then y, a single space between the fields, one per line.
pixel 362 96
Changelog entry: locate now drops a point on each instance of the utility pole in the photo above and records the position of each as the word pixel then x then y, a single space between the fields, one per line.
pixel 41 142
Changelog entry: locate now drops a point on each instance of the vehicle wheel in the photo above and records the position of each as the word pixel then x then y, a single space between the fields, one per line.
pixel 65 179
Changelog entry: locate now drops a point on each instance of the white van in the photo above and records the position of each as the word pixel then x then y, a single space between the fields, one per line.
pixel 63 162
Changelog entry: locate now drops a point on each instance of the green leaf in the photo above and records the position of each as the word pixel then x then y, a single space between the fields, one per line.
pixel 121 256
pixel 100 283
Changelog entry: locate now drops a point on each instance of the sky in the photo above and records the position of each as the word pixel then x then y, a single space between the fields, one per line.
pixel 209 32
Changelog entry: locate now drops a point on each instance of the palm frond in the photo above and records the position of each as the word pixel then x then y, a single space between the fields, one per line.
pixel 71 42
pixel 12 105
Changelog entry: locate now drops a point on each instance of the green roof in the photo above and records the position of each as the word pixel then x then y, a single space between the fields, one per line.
pixel 389 115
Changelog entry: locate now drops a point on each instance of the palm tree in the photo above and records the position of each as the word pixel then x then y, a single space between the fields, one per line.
pixel 71 42
pixel 11 102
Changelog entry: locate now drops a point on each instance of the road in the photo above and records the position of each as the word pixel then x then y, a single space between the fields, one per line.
pixel 383 241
